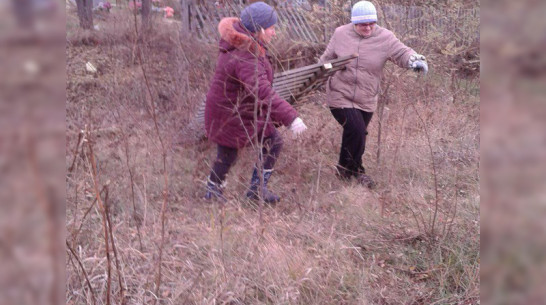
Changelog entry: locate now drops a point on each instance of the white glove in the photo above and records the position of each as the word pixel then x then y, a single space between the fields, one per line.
pixel 418 62
pixel 297 127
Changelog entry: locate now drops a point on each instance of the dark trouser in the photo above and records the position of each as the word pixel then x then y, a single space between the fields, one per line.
pixel 226 157
pixel 355 123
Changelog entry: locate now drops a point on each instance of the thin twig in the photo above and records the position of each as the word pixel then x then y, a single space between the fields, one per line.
pixel 76 150
pixel 400 143
pixel 116 259
pixel 450 225
pixel 417 220
pixel 85 215
pixel 84 272
pixel 104 221
pixel 383 98
pixel 153 112
pixel 131 178
pixel 429 144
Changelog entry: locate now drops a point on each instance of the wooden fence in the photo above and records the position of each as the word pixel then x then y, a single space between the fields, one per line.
pixel 416 20
pixel 317 27
pixel 202 19
pixel 294 84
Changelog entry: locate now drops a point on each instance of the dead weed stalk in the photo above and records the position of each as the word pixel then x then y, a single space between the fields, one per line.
pixel 152 111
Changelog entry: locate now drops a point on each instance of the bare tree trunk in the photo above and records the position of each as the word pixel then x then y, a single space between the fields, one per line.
pixel 85 13
pixel 146 15
pixel 23 12
pixel 185 15
pixel 326 14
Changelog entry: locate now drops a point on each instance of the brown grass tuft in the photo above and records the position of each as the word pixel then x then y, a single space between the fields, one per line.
pixel 327 242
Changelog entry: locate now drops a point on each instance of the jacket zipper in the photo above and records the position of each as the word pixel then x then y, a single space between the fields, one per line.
pixel 356 72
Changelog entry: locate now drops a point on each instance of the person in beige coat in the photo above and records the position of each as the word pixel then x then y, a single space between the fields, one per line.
pixel 352 93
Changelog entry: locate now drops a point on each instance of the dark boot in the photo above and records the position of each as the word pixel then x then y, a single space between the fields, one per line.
pixel 215 191
pixel 253 192
pixel 365 180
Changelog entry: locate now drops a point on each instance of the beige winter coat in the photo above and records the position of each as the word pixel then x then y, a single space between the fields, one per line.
pixel 358 85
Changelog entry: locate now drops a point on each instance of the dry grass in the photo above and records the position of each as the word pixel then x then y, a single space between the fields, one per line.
pixel 327 242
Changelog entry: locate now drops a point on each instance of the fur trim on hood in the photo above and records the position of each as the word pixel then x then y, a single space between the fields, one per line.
pixel 232 32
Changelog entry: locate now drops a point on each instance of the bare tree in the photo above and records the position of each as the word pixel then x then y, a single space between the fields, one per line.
pixel 23 12
pixel 146 14
pixel 85 13
pixel 185 14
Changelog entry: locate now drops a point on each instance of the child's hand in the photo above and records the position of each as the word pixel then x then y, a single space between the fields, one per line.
pixel 297 127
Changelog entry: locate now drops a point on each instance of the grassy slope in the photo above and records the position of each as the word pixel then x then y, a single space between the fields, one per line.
pixel 327 242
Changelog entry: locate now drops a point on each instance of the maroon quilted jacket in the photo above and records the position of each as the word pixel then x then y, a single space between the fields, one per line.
pixel 241 103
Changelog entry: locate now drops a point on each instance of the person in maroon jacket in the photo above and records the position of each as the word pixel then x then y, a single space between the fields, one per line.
pixel 242 108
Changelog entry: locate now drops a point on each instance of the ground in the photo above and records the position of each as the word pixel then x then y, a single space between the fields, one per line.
pixel 412 240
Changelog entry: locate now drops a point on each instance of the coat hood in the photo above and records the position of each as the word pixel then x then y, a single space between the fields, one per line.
pixel 234 36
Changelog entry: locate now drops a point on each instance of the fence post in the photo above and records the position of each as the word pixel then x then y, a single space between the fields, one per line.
pixel 326 21
pixel 185 14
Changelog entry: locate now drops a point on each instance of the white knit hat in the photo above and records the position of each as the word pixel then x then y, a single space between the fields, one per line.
pixel 363 12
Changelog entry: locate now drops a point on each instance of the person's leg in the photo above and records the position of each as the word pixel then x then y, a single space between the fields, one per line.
pixel 361 176
pixel 271 149
pixel 367 117
pixel 225 158
pixel 352 143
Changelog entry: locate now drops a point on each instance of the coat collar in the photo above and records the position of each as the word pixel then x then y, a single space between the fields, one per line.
pixel 356 34
pixel 234 36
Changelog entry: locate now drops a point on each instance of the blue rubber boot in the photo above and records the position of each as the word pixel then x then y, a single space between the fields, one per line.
pixel 215 191
pixel 253 192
